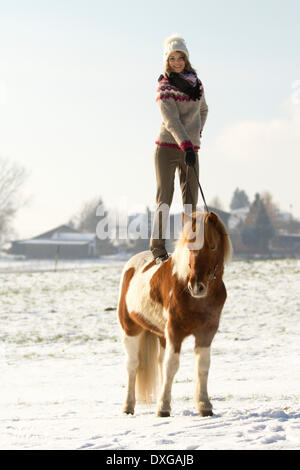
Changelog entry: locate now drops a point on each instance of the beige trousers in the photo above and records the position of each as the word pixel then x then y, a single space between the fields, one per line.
pixel 167 160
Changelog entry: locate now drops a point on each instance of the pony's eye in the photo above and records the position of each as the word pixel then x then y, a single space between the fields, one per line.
pixel 213 247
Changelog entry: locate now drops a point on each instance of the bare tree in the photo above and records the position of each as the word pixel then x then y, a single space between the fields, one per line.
pixel 287 224
pixel 12 178
pixel 216 203
pixel 86 219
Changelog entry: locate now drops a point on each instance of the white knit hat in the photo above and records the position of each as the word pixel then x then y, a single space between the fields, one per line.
pixel 174 43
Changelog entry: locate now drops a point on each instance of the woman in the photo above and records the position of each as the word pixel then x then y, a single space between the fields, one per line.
pixel 184 110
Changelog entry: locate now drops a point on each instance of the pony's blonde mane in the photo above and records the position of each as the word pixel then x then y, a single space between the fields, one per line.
pixel 227 246
pixel 193 230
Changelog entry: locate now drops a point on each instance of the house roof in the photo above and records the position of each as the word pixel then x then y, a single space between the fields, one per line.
pixel 47 241
pixel 59 229
pixel 61 235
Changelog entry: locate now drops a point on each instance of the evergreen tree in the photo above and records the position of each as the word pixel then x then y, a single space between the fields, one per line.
pixel 258 229
pixel 253 211
pixel 239 199
pixel 264 228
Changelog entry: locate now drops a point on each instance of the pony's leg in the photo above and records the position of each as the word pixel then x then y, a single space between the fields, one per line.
pixel 170 367
pixel 202 359
pixel 131 344
pixel 161 356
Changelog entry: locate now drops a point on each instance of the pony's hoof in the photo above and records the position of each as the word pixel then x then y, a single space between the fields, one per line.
pixel 204 413
pixel 128 411
pixel 204 408
pixel 163 414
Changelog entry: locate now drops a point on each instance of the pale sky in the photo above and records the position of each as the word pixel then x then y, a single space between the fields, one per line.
pixel 77 100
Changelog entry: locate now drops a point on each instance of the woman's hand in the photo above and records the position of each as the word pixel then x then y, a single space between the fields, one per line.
pixel 190 157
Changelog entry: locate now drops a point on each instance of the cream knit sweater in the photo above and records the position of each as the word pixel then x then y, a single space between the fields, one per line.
pixel 182 118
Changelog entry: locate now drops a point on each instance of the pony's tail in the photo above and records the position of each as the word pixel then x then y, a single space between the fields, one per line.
pixel 146 379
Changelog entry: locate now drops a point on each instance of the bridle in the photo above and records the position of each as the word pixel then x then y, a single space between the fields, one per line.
pixel 214 274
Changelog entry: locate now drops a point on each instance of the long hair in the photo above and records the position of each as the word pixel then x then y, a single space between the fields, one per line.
pixel 187 65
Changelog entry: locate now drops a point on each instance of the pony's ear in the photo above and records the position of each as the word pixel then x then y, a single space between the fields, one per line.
pixel 213 218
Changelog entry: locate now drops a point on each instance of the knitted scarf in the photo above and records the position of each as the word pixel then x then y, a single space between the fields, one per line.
pixel 187 82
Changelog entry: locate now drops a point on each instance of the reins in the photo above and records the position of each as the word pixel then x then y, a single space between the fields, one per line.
pixel 205 205
pixel 201 191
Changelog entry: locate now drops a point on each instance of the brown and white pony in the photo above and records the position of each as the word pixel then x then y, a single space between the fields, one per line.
pixel 160 305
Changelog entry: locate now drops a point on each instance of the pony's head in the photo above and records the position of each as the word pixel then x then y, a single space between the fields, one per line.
pixel 201 252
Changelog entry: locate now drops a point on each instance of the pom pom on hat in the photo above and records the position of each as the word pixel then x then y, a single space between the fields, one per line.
pixel 174 43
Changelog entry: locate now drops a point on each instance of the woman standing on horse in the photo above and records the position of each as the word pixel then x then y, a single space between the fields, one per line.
pixel 183 108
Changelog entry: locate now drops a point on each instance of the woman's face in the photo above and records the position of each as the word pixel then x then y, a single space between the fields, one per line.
pixel 176 62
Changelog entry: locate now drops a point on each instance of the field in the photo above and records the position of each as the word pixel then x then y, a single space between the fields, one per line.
pixel 63 375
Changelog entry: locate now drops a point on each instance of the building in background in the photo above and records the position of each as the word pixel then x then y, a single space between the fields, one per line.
pixel 63 241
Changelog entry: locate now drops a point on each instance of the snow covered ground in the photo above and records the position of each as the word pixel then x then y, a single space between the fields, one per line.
pixel 62 363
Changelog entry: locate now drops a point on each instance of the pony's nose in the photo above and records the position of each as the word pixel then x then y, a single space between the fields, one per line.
pixel 200 287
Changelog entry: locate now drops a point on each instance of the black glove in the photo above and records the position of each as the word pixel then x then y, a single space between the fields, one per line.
pixel 190 157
